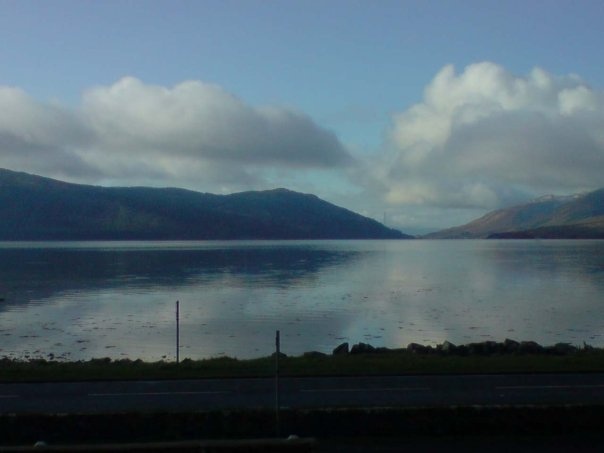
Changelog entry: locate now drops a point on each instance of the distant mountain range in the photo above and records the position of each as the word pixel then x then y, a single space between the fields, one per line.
pixel 550 217
pixel 38 208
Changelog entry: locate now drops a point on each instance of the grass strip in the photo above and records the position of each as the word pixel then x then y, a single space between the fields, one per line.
pixel 384 363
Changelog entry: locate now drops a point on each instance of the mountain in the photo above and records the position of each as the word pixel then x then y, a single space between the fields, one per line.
pixel 577 216
pixel 590 229
pixel 37 208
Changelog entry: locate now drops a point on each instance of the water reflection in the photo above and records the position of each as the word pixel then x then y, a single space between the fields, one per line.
pixel 84 301
pixel 467 291
pixel 118 301
pixel 35 272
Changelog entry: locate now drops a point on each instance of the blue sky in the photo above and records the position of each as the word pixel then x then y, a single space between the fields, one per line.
pixel 431 111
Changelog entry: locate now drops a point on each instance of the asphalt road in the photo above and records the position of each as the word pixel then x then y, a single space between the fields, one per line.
pixel 390 391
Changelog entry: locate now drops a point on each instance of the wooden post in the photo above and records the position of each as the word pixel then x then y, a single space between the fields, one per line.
pixel 177 334
pixel 277 402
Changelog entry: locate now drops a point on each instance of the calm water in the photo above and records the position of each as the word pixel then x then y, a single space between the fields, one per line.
pixel 108 299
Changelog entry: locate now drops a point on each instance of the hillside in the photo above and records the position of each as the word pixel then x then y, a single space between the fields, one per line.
pixel 574 217
pixel 592 228
pixel 38 208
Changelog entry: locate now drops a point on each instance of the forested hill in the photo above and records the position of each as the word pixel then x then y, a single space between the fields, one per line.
pixel 38 208
pixel 571 217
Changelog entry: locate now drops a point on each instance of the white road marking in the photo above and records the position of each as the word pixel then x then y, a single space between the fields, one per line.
pixel 359 390
pixel 156 393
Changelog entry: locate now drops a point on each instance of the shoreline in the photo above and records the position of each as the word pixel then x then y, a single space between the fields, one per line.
pixel 487 357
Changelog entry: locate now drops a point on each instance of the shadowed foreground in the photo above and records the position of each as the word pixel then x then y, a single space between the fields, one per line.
pixel 524 429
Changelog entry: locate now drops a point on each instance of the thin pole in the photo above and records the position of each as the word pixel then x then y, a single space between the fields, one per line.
pixel 177 333
pixel 277 402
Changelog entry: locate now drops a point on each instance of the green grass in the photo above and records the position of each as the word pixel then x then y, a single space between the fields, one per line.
pixel 388 363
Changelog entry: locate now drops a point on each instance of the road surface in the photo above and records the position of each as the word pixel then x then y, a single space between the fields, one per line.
pixel 385 391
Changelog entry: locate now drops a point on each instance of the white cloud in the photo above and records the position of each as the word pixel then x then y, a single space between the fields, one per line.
pixel 479 139
pixel 193 134
pixel 34 123
pixel 485 137
pixel 40 137
pixel 198 120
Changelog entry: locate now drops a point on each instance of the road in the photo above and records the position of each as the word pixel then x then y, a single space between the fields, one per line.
pixel 386 391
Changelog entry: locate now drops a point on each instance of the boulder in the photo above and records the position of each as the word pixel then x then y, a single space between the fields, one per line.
pixel 341 349
pixel 492 347
pixel 564 348
pixel 447 347
pixel 510 345
pixel 484 348
pixel 362 348
pixel 417 348
pixel 383 350
pixel 314 355
pixel 530 347
pixel 587 347
pixel 475 348
pixel 462 350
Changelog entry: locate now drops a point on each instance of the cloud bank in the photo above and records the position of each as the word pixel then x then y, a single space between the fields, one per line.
pixel 485 138
pixel 479 139
pixel 131 131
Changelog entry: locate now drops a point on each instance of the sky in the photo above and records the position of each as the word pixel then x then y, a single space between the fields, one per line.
pixel 425 114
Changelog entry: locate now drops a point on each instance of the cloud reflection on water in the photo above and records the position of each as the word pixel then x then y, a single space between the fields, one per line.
pixel 115 302
pixel 96 302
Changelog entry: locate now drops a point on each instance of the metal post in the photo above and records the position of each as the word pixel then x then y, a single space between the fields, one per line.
pixel 277 402
pixel 177 334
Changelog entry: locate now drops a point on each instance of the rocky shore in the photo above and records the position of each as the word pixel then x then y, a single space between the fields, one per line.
pixel 507 346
